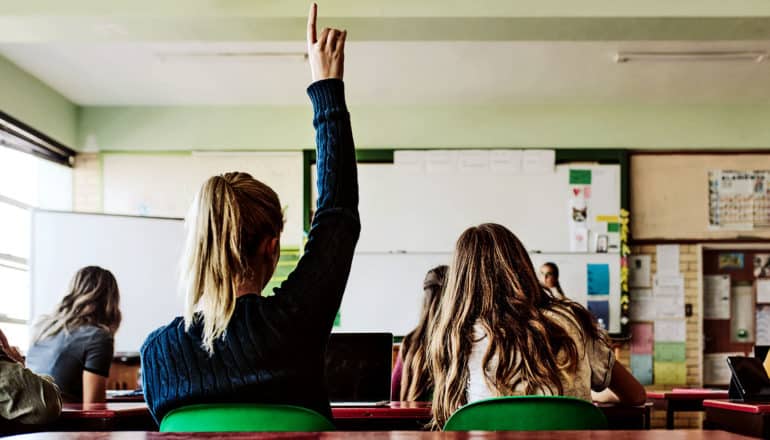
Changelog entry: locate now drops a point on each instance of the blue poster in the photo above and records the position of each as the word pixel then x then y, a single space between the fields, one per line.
pixel 598 279
pixel 641 368
pixel 601 311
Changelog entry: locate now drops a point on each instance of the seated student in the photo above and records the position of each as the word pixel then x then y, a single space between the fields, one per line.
pixel 410 380
pixel 25 397
pixel 75 344
pixel 234 345
pixel 550 274
pixel 499 333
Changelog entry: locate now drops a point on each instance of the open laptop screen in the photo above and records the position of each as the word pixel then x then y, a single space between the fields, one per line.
pixel 358 367
pixel 751 377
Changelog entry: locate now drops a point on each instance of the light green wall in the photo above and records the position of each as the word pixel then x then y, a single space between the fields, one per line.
pixel 29 100
pixel 549 126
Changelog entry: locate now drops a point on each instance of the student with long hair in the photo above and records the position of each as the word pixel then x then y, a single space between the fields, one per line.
pixel 75 344
pixel 550 273
pixel 411 380
pixel 233 345
pixel 499 333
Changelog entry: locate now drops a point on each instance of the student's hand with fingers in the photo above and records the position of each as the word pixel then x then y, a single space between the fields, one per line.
pixel 326 51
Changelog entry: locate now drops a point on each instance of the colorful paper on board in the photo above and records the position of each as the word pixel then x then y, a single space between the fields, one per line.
pixel 731 260
pixel 579 177
pixel 601 311
pixel 613 227
pixel 641 368
pixel 598 279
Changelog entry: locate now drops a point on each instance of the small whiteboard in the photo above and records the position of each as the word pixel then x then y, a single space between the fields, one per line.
pixel 142 253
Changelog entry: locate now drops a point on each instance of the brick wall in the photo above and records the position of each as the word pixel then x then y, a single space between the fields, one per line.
pixel 690 267
pixel 87 183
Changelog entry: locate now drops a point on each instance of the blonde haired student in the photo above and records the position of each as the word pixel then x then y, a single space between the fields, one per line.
pixel 75 344
pixel 25 397
pixel 501 333
pixel 233 345
pixel 411 379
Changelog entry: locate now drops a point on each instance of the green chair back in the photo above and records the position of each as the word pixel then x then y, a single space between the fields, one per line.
pixel 241 417
pixel 527 413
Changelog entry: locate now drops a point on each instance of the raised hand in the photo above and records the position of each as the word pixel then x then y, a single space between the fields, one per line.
pixel 326 52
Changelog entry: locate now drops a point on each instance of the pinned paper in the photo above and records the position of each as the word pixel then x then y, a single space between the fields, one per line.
pixel 668 259
pixel 412 162
pixel 763 290
pixel 579 177
pixel 715 368
pixel 578 239
pixel 763 325
pixel 639 270
pixel 538 161
pixel 607 219
pixel 667 307
pixel 642 306
pixel 716 297
pixel 670 330
pixel 670 373
pixel 641 338
pixel 441 162
pixel 601 311
pixel 670 352
pixel 473 162
pixel 598 279
pixel 641 368
pixel 505 162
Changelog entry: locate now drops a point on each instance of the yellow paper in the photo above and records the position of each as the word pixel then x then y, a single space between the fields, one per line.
pixel 670 373
pixel 607 219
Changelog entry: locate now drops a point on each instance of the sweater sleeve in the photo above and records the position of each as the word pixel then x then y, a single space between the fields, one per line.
pixel 26 397
pixel 311 295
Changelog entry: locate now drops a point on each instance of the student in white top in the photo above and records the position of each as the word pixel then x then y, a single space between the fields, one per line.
pixel 499 332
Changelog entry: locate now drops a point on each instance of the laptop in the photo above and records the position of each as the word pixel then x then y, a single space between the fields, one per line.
pixel 749 382
pixel 358 367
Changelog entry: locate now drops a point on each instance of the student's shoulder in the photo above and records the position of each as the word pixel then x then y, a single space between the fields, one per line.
pixel 162 333
pixel 92 334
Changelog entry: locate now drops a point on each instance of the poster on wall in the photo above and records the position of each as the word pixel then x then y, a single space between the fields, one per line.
pixel 739 200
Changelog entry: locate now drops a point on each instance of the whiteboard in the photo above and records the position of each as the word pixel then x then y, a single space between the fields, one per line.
pixel 163 185
pixel 142 253
pixel 414 211
pixel 384 291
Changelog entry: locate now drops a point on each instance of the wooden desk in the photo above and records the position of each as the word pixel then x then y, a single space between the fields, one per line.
pixel 682 399
pixel 742 418
pixel 391 435
pixel 411 416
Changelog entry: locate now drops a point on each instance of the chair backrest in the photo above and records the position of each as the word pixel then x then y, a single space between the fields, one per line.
pixel 527 413
pixel 242 417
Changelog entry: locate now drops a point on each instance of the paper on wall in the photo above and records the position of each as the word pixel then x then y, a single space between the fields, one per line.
pixel 473 162
pixel 671 373
pixel 639 270
pixel 671 284
pixel 505 162
pixel 441 162
pixel 715 369
pixel 578 240
pixel 667 307
pixel 763 325
pixel 670 330
pixel 763 290
pixel 412 162
pixel 742 314
pixel 641 368
pixel 667 259
pixel 642 306
pixel 716 297
pixel 538 161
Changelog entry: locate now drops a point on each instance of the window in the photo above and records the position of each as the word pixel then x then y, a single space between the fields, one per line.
pixel 26 182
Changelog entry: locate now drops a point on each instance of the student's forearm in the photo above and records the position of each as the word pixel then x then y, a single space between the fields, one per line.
pixel 336 157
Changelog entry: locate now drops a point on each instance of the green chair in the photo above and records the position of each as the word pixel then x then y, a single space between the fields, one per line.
pixel 243 417
pixel 527 413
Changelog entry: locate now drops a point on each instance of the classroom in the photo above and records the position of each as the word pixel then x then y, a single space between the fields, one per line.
pixel 427 219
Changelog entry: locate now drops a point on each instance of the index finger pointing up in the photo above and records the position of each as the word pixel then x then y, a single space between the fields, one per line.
pixel 311 35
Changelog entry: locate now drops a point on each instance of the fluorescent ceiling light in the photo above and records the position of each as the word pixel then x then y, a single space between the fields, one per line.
pixel 754 56
pixel 232 56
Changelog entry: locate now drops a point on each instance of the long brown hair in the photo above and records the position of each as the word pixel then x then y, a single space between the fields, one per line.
pixel 229 219
pixel 93 299
pixel 492 282
pixel 416 381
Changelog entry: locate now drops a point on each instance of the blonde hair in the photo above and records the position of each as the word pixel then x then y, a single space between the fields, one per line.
pixel 416 381
pixel 93 299
pixel 231 216
pixel 492 282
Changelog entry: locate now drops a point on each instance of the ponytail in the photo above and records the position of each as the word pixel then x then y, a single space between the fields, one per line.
pixel 230 216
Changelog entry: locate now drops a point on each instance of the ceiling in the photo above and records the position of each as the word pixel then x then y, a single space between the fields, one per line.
pixel 391 73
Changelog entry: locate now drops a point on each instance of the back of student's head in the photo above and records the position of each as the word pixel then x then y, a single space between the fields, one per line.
pixel 492 282
pixel 230 222
pixel 93 299
pixel 416 379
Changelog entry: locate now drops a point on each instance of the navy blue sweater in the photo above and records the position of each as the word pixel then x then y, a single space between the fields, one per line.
pixel 274 347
